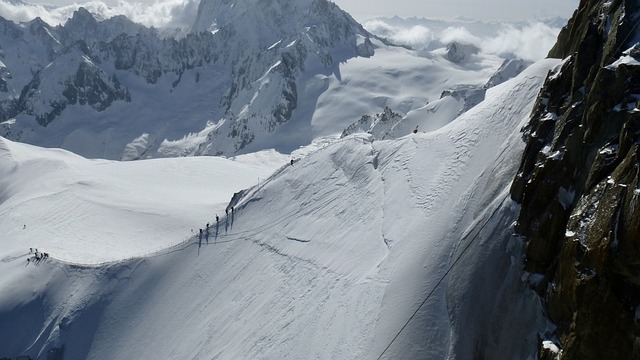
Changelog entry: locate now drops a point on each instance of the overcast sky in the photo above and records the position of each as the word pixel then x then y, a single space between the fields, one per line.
pixel 476 9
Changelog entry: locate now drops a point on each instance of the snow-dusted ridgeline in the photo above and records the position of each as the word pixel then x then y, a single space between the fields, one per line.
pixel 328 258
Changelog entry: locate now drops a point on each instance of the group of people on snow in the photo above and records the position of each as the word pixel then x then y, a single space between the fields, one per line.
pixel 38 256
pixel 206 229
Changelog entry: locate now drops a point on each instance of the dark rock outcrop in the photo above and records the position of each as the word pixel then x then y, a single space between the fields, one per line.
pixel 379 124
pixel 579 190
pixel 457 52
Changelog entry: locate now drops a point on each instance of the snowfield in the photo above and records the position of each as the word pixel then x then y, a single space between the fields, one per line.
pixel 361 249
pixel 91 211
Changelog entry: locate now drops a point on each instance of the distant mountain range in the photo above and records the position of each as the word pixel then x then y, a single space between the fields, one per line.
pixel 247 76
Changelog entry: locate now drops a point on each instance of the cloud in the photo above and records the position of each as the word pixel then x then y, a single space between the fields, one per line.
pixel 530 41
pixel 458 34
pixel 417 36
pixel 380 27
pixel 25 12
pixel 160 14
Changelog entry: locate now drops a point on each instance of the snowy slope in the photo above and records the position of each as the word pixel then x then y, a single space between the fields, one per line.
pixel 97 210
pixel 326 259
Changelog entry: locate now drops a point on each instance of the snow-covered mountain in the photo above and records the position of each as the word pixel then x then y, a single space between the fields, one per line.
pixel 240 82
pixel 507 230
pixel 361 249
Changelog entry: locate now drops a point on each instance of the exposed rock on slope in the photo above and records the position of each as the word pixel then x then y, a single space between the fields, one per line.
pixel 53 88
pixel 379 124
pixel 509 68
pixel 457 52
pixel 579 187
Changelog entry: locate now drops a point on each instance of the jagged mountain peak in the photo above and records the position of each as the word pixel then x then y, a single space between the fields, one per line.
pixel 82 15
pixel 90 27
pixel 265 22
pixel 82 23
pixel 37 26
pixel 215 14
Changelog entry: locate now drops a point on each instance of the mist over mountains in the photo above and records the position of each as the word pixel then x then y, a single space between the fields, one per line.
pixel 529 40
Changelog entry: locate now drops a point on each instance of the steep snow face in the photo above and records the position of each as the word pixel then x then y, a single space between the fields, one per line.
pixel 509 69
pixel 327 258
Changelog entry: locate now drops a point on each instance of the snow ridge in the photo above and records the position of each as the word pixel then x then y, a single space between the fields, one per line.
pixel 326 258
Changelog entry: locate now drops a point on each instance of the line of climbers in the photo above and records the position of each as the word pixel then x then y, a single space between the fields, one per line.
pixel 202 231
pixel 41 256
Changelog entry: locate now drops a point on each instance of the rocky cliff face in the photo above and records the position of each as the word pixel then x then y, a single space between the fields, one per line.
pixel 579 186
